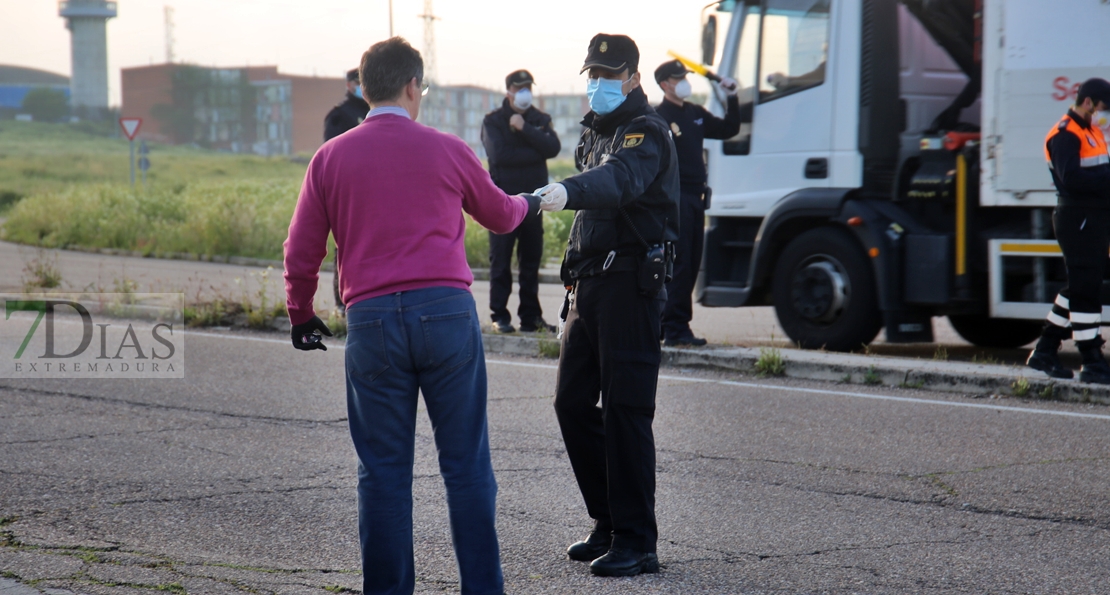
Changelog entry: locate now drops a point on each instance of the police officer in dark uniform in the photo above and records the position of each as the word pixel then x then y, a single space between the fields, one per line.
pixel 348 114
pixel 627 201
pixel 519 139
pixel 1080 165
pixel 690 124
pixel 340 119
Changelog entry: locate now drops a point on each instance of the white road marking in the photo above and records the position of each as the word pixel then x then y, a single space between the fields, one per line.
pixel 755 385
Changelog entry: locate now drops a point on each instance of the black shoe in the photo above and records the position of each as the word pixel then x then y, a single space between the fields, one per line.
pixel 592 548
pixel 690 341
pixel 537 325
pixel 503 326
pixel 1049 363
pixel 1095 373
pixel 623 562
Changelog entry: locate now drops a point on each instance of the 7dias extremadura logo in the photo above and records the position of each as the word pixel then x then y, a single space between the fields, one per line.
pixel 103 335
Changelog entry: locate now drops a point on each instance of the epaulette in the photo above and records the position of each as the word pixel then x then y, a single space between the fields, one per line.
pixel 1063 125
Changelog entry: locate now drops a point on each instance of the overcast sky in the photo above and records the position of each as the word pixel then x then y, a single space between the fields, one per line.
pixel 477 41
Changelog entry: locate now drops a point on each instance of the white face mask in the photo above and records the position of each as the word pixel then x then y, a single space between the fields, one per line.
pixel 523 99
pixel 682 89
pixel 1100 119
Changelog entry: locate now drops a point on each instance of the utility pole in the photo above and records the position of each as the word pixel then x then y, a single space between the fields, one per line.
pixel 391 18
pixel 168 11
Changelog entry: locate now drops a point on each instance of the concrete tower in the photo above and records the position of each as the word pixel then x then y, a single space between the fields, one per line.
pixel 87 21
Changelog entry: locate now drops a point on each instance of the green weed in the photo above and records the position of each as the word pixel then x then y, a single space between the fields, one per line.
pixel 1048 391
pixel 338 589
pixel 941 354
pixel 41 273
pixel 549 348
pixel 1020 386
pixel 871 377
pixel 770 362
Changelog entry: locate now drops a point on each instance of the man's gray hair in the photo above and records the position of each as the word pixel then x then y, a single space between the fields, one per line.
pixel 387 67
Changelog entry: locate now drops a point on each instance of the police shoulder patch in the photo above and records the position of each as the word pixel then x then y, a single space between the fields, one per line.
pixel 633 140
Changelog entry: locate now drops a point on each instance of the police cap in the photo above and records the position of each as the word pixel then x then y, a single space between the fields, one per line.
pixel 352 75
pixel 612 52
pixel 519 77
pixel 1097 89
pixel 671 69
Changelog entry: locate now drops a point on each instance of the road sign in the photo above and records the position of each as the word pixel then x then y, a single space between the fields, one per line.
pixel 144 163
pixel 130 126
pixel 142 148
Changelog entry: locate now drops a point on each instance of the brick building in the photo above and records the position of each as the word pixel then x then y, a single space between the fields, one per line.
pixel 245 109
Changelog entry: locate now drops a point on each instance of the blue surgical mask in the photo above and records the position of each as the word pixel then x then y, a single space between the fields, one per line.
pixel 358 92
pixel 605 95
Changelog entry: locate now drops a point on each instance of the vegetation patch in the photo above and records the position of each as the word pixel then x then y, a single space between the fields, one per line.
pixel 770 362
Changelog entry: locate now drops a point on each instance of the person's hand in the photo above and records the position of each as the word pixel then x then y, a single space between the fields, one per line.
pixel 553 197
pixel 517 122
pixel 777 80
pixel 305 336
pixel 730 85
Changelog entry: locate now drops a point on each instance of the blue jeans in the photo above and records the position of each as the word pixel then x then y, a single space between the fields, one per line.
pixel 427 341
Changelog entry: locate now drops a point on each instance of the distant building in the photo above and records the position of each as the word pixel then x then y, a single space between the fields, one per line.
pixel 244 109
pixel 566 113
pixel 87 23
pixel 460 109
pixel 17 81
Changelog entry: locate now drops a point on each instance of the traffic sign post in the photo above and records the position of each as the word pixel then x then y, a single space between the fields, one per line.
pixel 144 163
pixel 130 128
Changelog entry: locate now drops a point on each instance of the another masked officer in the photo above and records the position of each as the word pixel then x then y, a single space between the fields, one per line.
pixel 627 201
pixel 348 114
pixel 690 124
pixel 1080 166
pixel 519 139
pixel 340 119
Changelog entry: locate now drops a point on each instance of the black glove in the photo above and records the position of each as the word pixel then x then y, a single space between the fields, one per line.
pixel 305 336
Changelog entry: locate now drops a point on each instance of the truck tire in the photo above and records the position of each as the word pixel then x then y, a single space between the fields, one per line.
pixel 1000 333
pixel 824 291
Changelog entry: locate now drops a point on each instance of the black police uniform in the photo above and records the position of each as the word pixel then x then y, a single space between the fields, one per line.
pixel 1082 225
pixel 610 346
pixel 691 124
pixel 518 164
pixel 345 116
pixel 340 119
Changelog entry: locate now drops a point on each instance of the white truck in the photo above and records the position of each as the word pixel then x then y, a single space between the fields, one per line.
pixel 891 166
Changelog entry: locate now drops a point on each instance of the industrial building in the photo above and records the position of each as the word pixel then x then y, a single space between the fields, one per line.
pixel 252 109
pixel 16 82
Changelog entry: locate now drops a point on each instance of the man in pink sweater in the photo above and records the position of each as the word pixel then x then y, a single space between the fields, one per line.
pixel 393 192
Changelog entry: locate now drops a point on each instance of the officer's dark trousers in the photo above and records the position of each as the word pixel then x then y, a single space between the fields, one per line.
pixel 1084 236
pixel 529 240
pixel 679 310
pixel 611 350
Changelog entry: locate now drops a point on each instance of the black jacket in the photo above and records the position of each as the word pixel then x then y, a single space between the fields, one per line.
pixel 627 159
pixel 691 124
pixel 1075 185
pixel 344 116
pixel 518 159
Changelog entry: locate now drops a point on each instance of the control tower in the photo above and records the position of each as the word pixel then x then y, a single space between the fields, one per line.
pixel 87 21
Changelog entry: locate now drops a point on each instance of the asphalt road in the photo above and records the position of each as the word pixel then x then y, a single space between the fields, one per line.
pixel 240 478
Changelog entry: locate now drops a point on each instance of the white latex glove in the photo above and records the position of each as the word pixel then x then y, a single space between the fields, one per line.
pixel 729 85
pixel 553 197
pixel 777 80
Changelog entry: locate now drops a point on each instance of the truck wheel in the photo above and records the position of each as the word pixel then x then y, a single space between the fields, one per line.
pixel 1001 333
pixel 824 291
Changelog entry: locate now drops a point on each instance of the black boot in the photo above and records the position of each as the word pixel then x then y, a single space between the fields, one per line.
pixel 1046 356
pixel 1095 369
pixel 591 548
pixel 624 562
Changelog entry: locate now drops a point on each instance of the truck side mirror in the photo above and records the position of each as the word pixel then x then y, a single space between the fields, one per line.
pixel 709 40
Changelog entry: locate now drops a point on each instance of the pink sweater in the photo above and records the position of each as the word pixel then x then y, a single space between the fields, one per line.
pixel 393 192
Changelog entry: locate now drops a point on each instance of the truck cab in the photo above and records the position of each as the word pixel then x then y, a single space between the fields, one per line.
pixel 892 168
